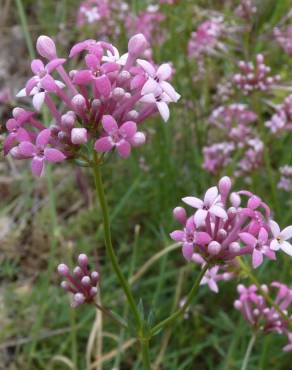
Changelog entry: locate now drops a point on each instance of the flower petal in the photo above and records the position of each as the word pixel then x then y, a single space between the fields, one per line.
pixel 26 149
pixel 128 129
pixel 103 145
pixel 48 83
pixel 287 233
pixel 164 71
pixel 218 211
pixel 38 100
pixel 124 148
pixel 103 85
pixel 149 87
pixel 43 138
pixel 286 247
pixel 257 258
pixel 200 217
pixel 149 98
pixel 54 155
pixel 37 66
pixel 148 67
pixel 82 77
pixel 37 166
pixel 275 228
pixel 248 239
pixel 187 251
pixel 170 91
pixel 211 195
pixel 275 245
pixel 55 63
pixel 109 124
pixel 177 235
pixel 163 110
pixel 193 202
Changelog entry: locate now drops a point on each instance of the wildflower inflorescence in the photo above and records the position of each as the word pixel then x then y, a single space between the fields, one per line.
pixel 254 77
pixel 284 38
pixel 103 102
pixel 282 119
pixel 263 317
pixel 82 283
pixel 225 226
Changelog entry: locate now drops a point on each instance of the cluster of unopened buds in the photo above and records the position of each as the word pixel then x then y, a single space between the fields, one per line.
pixel 282 119
pixel 103 102
pixel 206 39
pixel 263 317
pixel 284 38
pixel 285 182
pixel 82 282
pixel 254 77
pixel 235 124
pixel 224 226
pixel 246 9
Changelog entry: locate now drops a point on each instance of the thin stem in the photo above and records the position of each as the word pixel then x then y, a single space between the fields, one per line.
pixel 184 307
pixel 24 26
pixel 145 354
pixel 108 313
pixel 248 352
pixel 108 239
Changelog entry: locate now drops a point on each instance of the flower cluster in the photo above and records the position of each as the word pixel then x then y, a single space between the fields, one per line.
pixel 222 228
pixel 235 127
pixel 259 313
pixel 107 15
pixel 81 283
pixel 102 102
pixel 206 40
pixel 282 119
pixel 284 38
pixel 246 9
pixel 254 77
pixel 148 22
pixel 285 182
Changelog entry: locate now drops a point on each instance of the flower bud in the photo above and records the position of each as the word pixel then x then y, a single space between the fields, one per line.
pixel 180 214
pixel 224 186
pixel 79 101
pixel 63 269
pixel 85 281
pixel 234 247
pixel 94 277
pixel 17 111
pixel 138 139
pixel 78 299
pixel 83 260
pixel 214 248
pixel 46 47
pixel 137 44
pixel 79 136
pixel 238 305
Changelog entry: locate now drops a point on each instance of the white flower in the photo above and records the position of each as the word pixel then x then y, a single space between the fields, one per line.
pixel 280 238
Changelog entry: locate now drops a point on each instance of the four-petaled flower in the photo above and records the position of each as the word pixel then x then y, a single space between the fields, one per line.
pixel 122 137
pixel 39 152
pixel 211 204
pixel 280 238
pixel 42 81
pixel 260 246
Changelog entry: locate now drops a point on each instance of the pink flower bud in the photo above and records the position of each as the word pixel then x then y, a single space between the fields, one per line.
pixel 78 272
pixel 79 101
pixel 85 281
pixel 46 47
pixel 63 269
pixel 83 260
pixel 17 111
pixel 137 44
pixel 180 214
pixel 79 136
pixel 224 186
pixel 93 291
pixel 78 299
pixel 214 248
pixel 234 247
pixel 238 305
pixel 138 139
pixel 94 277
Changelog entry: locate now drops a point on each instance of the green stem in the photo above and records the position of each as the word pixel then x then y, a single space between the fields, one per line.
pixel 184 307
pixel 108 240
pixel 145 354
pixel 248 352
pixel 24 26
pixel 108 313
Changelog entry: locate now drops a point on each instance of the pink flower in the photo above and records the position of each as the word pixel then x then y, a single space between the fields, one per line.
pixel 211 204
pixel 210 278
pixel 284 38
pixel 122 137
pixel 40 152
pixel 259 246
pixel 42 82
pixel 280 238
pixel 157 80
